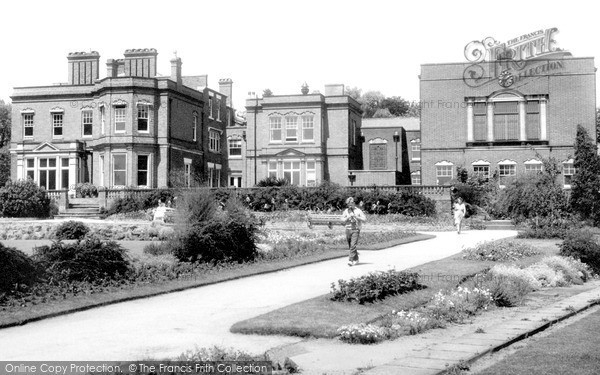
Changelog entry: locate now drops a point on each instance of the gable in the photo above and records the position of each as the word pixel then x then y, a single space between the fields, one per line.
pixel 45 147
pixel 290 152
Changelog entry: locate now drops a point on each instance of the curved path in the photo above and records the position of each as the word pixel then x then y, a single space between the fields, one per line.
pixel 165 326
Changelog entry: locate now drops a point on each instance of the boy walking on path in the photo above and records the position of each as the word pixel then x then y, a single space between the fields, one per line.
pixel 353 218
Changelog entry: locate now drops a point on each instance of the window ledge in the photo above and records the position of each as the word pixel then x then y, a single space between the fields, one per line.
pixel 508 143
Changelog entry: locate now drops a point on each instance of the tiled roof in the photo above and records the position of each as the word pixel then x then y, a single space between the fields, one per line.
pixel 408 123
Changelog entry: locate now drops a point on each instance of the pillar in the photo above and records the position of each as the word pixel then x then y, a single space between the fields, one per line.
pixel 490 122
pixel 470 137
pixel 522 131
pixel 543 119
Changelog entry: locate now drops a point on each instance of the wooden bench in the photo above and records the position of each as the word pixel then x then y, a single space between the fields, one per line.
pixel 329 220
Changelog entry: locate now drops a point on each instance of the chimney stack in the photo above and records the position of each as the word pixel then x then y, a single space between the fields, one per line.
pixel 140 62
pixel 83 67
pixel 334 89
pixel 226 88
pixel 176 71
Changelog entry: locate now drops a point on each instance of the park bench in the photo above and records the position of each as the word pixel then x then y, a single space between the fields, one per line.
pixel 320 219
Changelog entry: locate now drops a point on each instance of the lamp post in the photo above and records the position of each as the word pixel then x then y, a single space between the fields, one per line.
pixel 396 140
pixel 351 178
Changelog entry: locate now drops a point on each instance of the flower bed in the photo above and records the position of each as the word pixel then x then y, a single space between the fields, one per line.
pixel 502 285
pixel 499 251
pixel 107 231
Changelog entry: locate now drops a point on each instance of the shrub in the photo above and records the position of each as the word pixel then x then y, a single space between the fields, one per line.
pixel 562 266
pixel 375 286
pixel 292 248
pixel 139 201
pixel 456 305
pixel 16 268
pixel 23 199
pixel 509 285
pixel 272 181
pixel 88 260
pixel 581 245
pixel 546 275
pixel 86 190
pixel 71 230
pixel 211 235
pixel 219 354
pixel 362 333
pixel 155 248
pixel 498 251
pixel 410 322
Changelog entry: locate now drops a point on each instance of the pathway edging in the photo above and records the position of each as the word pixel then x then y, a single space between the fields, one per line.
pixel 416 238
pixel 473 346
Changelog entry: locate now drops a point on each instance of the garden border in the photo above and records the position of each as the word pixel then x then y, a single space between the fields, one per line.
pixel 547 324
pixel 374 247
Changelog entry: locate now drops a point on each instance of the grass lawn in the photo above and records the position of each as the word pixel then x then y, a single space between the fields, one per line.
pixel 570 350
pixel 321 317
pixel 30 311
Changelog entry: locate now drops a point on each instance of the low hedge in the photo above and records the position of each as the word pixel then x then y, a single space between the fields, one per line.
pixel 375 286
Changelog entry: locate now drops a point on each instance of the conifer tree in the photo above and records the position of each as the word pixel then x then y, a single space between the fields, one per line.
pixel 585 194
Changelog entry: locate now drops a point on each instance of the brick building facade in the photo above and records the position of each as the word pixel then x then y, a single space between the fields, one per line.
pixel 236 144
pixel 305 138
pixel 388 158
pixel 493 117
pixel 131 128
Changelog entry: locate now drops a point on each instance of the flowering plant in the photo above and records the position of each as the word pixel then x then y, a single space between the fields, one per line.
pixel 363 333
pixel 456 305
pixel 498 251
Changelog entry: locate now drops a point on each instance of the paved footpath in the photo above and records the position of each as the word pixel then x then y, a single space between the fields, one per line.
pixel 167 325
pixel 438 356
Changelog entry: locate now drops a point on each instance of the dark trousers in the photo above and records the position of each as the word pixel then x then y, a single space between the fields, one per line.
pixel 352 238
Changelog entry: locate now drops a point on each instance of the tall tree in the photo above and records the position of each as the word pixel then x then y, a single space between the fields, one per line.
pixel 382 113
pixel 5 123
pixel 371 101
pixel 396 105
pixel 598 125
pixel 414 110
pixel 4 165
pixel 354 92
pixel 585 196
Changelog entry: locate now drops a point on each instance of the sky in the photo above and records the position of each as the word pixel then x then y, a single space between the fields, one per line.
pixel 374 45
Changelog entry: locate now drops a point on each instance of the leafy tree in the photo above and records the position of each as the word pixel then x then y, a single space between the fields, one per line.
pixel 396 105
pixel 353 92
pixel 585 196
pixel 375 104
pixel 267 92
pixel 4 165
pixel 537 196
pixel 382 113
pixel 5 123
pixel 597 124
pixel 370 102
pixel 414 110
